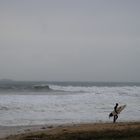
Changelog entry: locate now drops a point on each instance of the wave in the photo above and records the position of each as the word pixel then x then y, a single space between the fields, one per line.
pixel 40 87
pixel 9 88
pixel 94 89
pixel 4 108
pixel 71 88
pixel 97 88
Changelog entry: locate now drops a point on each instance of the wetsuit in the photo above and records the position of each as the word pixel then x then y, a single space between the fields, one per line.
pixel 115 116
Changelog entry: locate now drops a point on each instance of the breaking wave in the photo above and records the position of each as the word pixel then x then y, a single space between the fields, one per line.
pixel 80 87
pixel 126 90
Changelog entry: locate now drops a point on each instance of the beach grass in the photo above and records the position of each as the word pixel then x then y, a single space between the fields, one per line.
pixel 102 131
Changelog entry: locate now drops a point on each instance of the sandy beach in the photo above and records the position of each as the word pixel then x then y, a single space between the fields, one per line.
pixel 121 130
pixel 14 130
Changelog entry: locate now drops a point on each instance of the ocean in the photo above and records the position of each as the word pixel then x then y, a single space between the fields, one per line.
pixel 36 103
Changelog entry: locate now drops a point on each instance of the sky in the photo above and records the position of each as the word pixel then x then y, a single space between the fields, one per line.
pixel 70 40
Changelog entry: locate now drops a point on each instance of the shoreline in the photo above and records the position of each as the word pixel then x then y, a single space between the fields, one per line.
pixel 66 130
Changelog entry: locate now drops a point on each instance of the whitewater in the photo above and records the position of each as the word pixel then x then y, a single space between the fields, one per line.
pixel 31 103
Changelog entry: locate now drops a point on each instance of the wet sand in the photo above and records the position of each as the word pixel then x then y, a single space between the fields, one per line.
pixel 122 130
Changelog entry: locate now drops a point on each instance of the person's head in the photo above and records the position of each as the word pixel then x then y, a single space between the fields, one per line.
pixel 116 104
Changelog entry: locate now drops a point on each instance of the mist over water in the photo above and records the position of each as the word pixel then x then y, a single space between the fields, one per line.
pixel 31 103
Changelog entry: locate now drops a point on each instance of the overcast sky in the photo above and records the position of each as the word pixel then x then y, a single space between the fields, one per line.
pixel 70 40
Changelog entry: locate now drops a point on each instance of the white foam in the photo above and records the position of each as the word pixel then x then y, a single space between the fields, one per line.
pixel 92 104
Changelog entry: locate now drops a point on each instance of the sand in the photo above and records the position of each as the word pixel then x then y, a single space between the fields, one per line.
pixel 122 130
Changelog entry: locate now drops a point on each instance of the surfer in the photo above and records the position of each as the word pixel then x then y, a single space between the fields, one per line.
pixel 116 111
pixel 115 116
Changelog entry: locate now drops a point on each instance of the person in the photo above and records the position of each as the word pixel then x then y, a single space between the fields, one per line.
pixel 116 115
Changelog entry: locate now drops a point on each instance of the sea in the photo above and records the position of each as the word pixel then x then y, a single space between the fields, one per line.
pixel 37 103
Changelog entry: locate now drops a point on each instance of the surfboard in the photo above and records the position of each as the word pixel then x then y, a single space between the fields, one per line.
pixel 119 109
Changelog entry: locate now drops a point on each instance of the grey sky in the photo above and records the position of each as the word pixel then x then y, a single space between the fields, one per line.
pixel 86 40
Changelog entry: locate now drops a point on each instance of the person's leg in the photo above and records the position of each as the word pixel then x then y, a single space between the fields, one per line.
pixel 114 119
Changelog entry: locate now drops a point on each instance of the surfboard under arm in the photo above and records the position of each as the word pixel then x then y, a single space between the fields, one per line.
pixel 119 109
